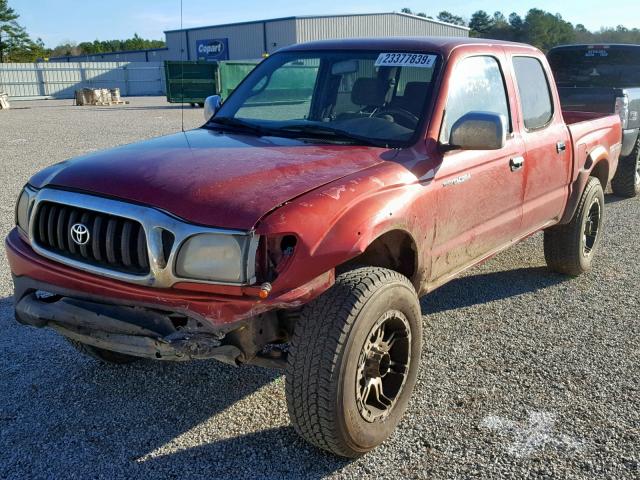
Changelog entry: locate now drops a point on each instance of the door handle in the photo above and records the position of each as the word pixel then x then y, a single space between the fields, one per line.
pixel 561 147
pixel 516 163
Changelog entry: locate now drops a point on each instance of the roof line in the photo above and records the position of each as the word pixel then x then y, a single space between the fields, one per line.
pixel 279 19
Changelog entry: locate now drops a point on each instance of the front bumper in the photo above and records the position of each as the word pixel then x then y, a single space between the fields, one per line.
pixel 219 313
pixel 133 331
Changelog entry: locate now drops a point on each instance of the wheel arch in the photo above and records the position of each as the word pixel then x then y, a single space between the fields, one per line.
pixel 395 249
pixel 600 168
pixel 597 164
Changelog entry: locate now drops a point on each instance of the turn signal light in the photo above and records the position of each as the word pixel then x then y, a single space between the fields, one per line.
pixel 265 290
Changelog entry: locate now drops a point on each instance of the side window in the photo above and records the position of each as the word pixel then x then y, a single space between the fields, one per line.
pixel 477 85
pixel 535 97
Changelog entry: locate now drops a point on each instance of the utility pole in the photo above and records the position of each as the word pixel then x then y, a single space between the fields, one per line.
pixel 1 49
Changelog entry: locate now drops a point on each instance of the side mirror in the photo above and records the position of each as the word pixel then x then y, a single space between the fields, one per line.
pixel 479 131
pixel 211 105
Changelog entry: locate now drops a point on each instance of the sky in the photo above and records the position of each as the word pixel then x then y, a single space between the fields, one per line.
pixel 58 21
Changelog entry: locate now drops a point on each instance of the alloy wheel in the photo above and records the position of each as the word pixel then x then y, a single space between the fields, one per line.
pixel 383 366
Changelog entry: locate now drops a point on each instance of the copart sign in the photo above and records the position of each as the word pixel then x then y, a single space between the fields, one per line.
pixel 213 49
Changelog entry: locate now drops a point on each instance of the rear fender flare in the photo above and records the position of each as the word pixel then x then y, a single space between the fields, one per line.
pixel 596 164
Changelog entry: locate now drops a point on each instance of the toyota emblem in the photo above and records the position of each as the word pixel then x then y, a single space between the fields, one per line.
pixel 80 234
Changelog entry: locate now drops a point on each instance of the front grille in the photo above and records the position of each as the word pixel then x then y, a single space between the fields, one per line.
pixel 114 242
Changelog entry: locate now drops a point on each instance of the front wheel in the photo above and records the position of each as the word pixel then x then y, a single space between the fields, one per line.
pixel 570 248
pixel 353 361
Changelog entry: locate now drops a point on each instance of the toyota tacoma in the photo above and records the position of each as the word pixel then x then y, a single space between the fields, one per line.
pixel 298 227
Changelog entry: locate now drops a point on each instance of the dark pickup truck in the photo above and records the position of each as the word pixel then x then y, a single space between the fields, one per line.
pixel 605 79
pixel 298 227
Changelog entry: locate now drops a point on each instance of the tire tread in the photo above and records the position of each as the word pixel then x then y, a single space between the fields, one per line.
pixel 562 243
pixel 318 342
pixel 623 183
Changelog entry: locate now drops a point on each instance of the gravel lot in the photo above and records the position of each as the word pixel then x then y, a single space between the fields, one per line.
pixel 524 372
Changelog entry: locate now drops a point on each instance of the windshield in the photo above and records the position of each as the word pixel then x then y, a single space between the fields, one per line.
pixel 359 96
pixel 596 66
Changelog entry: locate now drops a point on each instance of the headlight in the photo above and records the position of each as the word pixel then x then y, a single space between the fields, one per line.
pixel 23 208
pixel 218 258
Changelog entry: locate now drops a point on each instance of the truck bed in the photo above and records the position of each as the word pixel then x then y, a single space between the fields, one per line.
pixel 598 99
pixel 589 130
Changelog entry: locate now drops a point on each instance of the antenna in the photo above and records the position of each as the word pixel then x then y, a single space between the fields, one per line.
pixel 181 71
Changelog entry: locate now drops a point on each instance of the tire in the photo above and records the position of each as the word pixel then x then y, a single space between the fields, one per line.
pixel 569 249
pixel 106 356
pixel 626 182
pixel 333 357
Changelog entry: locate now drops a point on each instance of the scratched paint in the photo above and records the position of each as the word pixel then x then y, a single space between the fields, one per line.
pixel 335 192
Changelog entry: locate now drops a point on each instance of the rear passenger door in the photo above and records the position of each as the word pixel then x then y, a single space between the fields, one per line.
pixel 479 193
pixel 547 165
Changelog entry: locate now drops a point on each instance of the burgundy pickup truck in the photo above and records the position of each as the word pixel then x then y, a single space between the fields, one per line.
pixel 299 226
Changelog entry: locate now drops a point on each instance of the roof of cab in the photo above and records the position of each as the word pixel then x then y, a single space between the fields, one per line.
pixel 442 45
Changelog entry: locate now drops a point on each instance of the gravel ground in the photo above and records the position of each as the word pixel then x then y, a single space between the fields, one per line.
pixel 524 372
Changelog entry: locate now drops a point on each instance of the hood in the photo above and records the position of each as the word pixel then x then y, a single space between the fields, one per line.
pixel 208 177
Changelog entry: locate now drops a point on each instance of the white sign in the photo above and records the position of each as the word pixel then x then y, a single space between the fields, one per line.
pixel 397 59
pixel 597 53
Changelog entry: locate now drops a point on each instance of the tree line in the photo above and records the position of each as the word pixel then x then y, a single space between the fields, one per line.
pixel 538 27
pixel 104 46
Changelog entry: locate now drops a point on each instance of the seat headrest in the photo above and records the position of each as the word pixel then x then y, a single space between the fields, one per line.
pixel 368 92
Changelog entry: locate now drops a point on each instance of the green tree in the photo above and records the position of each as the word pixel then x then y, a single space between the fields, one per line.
pixel 15 43
pixel 517 27
pixel 480 23
pixel 12 35
pixel 501 29
pixel 449 17
pixel 545 30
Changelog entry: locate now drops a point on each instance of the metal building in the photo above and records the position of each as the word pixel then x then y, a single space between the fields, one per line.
pixel 251 40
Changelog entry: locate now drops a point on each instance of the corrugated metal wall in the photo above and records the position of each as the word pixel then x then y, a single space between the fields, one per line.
pixel 60 80
pixel 372 25
pixel 280 34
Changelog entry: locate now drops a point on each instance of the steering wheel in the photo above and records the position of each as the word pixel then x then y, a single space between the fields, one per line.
pixel 407 119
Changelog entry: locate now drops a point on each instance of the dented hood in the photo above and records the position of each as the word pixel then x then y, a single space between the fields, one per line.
pixel 208 177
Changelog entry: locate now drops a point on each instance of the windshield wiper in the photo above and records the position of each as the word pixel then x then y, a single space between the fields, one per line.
pixel 238 124
pixel 320 131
